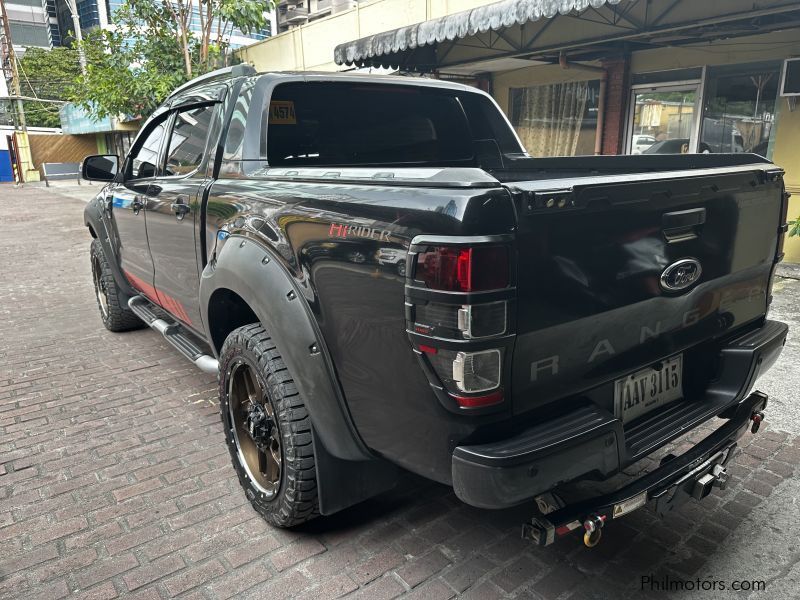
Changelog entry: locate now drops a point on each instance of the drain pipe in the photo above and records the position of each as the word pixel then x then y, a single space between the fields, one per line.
pixel 601 102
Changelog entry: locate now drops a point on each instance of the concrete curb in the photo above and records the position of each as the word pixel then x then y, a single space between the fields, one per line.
pixel 84 192
pixel 789 270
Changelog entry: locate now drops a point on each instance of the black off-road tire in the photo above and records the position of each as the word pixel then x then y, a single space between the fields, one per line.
pixel 295 501
pixel 115 317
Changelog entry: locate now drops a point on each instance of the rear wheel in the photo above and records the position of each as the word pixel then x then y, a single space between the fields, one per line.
pixel 267 428
pixel 115 316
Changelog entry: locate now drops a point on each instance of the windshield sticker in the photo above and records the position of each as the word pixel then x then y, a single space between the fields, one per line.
pixel 281 112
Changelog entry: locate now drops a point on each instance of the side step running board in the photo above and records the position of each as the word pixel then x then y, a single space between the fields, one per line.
pixel 173 333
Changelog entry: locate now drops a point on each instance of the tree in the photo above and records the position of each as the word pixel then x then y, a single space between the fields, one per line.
pixel 47 74
pixel 154 48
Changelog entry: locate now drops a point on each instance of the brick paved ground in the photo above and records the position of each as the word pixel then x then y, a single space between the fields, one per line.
pixel 115 480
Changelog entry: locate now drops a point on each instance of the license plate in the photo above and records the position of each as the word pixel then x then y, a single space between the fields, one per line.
pixel 648 389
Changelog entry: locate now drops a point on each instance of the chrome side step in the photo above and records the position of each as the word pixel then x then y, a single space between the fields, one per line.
pixel 174 334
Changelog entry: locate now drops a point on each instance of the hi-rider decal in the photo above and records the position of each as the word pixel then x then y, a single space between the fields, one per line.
pixel 342 230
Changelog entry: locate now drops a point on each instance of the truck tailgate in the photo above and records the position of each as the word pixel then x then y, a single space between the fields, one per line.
pixel 597 259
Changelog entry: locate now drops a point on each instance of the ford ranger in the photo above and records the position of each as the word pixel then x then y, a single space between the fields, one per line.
pixel 382 277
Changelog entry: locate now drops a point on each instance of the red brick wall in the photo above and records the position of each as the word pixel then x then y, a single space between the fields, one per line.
pixel 617 93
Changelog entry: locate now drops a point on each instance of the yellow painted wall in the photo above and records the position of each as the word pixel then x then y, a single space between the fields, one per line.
pixel 786 153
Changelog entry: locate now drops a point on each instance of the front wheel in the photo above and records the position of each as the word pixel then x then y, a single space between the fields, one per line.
pixel 267 428
pixel 115 316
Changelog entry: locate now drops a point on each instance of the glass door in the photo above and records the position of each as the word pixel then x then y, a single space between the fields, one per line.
pixel 663 119
pixel 740 108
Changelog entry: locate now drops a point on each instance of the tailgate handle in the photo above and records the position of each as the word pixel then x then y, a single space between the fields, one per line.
pixel 682 225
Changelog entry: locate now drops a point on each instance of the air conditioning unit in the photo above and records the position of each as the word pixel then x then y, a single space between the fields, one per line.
pixel 790 77
pixel 338 6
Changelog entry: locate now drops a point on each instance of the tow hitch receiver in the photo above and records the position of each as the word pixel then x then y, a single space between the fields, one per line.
pixel 718 477
pixel 692 475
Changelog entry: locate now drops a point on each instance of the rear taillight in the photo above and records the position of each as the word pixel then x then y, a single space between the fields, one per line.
pixel 459 296
pixel 459 269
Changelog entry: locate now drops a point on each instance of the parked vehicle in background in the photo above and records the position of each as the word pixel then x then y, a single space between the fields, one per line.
pixel 676 146
pixel 721 135
pixel 418 292
pixel 640 143
pixel 393 256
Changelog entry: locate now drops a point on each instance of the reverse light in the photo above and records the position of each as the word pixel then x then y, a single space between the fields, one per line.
pixel 461 321
pixel 464 269
pixel 482 320
pixel 475 372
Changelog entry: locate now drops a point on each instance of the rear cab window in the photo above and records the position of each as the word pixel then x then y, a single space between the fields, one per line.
pixel 332 124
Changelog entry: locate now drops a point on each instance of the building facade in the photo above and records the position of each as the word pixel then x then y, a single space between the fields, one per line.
pixel 100 13
pixel 293 13
pixel 587 76
pixel 30 23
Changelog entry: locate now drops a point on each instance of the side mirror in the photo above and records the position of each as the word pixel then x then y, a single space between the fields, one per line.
pixel 146 169
pixel 100 167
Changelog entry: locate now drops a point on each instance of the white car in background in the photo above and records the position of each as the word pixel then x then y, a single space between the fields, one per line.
pixel 641 143
pixel 392 256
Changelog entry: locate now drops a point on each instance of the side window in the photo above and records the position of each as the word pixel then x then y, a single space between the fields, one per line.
pixel 187 143
pixel 145 158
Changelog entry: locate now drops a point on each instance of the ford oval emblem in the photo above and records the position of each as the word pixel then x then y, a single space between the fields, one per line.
pixel 681 274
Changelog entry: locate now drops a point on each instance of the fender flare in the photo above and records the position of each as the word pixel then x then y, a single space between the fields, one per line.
pixel 93 218
pixel 249 269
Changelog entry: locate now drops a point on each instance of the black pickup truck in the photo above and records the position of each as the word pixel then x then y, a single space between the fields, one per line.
pixel 383 277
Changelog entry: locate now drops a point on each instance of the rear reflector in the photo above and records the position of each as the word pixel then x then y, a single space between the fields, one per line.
pixel 478 401
pixel 459 269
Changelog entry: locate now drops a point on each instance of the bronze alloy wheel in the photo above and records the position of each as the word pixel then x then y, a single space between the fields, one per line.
pixel 255 429
pixel 100 286
pixel 267 428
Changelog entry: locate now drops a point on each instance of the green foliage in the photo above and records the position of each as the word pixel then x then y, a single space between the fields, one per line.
pixel 153 49
pixel 794 227
pixel 51 74
pixel 129 71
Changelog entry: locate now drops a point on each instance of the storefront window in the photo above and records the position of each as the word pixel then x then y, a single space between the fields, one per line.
pixel 663 119
pixel 558 119
pixel 740 108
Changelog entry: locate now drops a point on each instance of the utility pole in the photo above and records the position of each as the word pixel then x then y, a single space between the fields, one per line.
pixel 76 24
pixel 23 148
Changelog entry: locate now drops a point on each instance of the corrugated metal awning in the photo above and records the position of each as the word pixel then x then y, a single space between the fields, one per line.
pixel 382 49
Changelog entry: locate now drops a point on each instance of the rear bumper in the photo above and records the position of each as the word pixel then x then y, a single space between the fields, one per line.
pixel 591 441
pixel 669 485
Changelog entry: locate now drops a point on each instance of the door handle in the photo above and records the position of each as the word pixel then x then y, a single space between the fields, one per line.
pixel 180 207
pixel 137 204
pixel 682 225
